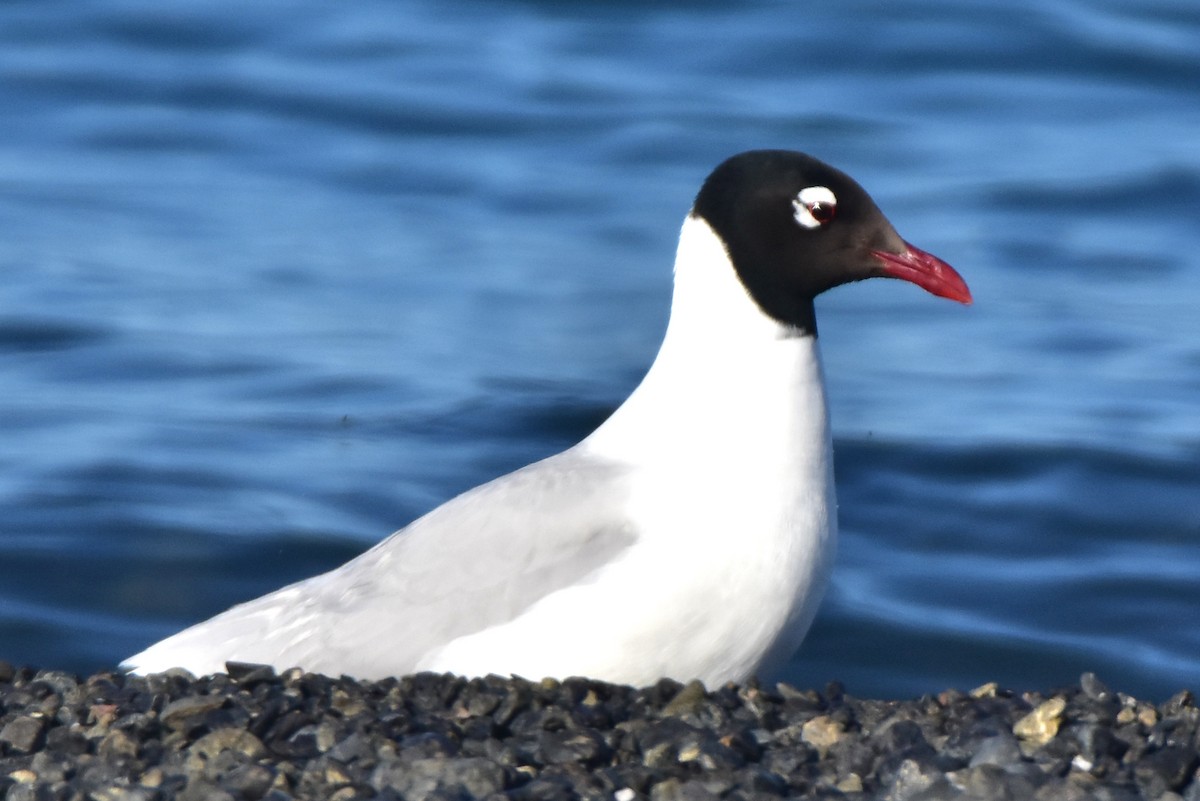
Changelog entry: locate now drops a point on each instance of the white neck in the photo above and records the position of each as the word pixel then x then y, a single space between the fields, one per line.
pixel 728 435
pixel 729 382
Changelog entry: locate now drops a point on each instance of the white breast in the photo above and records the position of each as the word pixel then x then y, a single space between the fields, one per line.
pixel 733 502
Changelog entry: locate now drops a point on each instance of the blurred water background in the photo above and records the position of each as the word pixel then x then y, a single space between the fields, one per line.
pixel 276 278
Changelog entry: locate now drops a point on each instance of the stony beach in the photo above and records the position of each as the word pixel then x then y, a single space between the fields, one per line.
pixel 253 734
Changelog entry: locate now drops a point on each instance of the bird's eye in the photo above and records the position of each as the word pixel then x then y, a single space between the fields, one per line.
pixel 814 206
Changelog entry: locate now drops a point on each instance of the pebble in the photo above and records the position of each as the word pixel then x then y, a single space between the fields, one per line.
pixel 23 735
pixel 1039 726
pixel 821 733
pixel 255 734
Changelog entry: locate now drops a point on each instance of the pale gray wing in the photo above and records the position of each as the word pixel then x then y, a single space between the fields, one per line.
pixel 476 561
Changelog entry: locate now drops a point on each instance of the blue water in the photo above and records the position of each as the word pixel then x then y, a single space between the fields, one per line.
pixel 279 277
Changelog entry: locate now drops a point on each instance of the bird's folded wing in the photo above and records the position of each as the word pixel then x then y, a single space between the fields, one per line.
pixel 475 562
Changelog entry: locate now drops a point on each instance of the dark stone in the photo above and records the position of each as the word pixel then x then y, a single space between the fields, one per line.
pixel 515 701
pixel 687 700
pixel 429 745
pixel 104 774
pixel 1179 703
pixel 248 781
pixel 660 742
pixel 1116 793
pixel 758 780
pixel 912 780
pixel 676 790
pixel 22 792
pixel 900 742
pixel 835 693
pixel 659 694
pixel 116 746
pixel 788 761
pixel 299 745
pixel 853 756
pixel 123 792
pixel 24 735
pixel 479 699
pixel 1132 740
pixel 670 742
pixel 173 682
pixel 421 778
pixel 248 674
pixel 1097 742
pixel 431 692
pixel 745 744
pixel 483 728
pixel 235 745
pixel 1192 791
pixel 59 682
pixel 585 747
pixel 994 783
pixel 797 701
pixel 269 711
pixel 1166 769
pixel 352 748
pixel 542 789
pixel 1001 750
pixel 252 735
pixel 1093 688
pixel 287 725
pixel 185 712
pixel 63 740
pixel 204 791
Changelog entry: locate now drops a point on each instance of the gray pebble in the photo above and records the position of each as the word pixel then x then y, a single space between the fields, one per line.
pixel 24 735
pixel 183 712
pixel 420 779
pixel 1002 749
pixel 258 735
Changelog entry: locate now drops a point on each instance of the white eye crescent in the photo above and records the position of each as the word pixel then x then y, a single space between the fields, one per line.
pixel 814 206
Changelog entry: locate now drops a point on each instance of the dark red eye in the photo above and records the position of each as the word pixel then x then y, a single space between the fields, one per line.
pixel 814 206
pixel 821 211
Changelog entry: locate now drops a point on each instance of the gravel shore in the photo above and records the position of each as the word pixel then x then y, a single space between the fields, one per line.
pixel 257 735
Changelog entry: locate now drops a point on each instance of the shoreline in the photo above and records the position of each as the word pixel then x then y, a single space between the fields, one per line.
pixel 257 735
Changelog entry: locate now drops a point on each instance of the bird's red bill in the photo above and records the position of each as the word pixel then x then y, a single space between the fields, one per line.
pixel 926 271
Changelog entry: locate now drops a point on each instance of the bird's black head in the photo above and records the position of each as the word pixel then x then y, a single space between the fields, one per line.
pixel 794 227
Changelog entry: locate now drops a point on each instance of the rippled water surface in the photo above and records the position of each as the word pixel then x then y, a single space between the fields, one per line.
pixel 279 277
